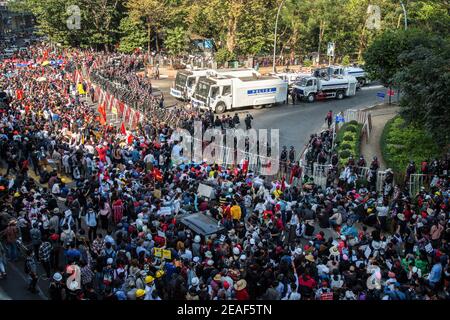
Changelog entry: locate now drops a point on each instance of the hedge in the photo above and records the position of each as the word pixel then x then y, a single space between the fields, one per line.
pixel 351 128
pixel 348 141
pixel 401 142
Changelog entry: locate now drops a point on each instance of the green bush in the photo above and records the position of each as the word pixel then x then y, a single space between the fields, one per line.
pixel 401 142
pixel 345 154
pixel 223 55
pixel 349 138
pixel 348 141
pixel 346 146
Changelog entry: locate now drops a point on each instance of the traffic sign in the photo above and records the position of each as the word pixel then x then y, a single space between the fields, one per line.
pixel 330 49
pixel 381 94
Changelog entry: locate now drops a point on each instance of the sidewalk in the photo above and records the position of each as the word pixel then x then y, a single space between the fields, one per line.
pixel 380 116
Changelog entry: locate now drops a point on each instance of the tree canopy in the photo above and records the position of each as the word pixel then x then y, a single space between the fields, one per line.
pixel 238 27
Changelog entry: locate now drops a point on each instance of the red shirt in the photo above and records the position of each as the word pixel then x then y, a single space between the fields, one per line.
pixel 309 282
pixel 242 295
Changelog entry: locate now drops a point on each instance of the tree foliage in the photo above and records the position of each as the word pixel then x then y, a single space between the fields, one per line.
pixel 402 142
pixel 242 27
pixel 176 41
pixel 425 83
pixel 133 35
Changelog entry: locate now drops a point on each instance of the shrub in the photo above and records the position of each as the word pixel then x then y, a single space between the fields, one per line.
pixel 347 141
pixel 349 138
pixel 345 154
pixel 223 55
pixel 401 142
pixel 351 129
pixel 346 146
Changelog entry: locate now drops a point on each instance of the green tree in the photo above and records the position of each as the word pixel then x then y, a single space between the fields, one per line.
pixel 133 35
pixel 176 41
pixel 382 57
pixel 99 20
pixel 424 82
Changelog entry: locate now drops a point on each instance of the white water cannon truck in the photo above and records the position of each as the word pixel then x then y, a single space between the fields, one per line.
pixel 186 80
pixel 358 73
pixel 226 92
pixel 321 86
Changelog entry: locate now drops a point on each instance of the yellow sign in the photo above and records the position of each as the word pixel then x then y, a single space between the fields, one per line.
pixel 167 254
pixel 158 252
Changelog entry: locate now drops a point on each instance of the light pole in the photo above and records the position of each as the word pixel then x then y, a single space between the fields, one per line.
pixel 275 38
pixel 404 14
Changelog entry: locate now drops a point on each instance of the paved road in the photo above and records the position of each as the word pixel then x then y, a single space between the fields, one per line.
pixel 297 122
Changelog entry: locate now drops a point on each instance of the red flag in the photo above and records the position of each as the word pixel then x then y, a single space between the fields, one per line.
pixel 245 166
pixel 122 129
pixel 121 108
pixel 157 174
pixel 130 139
pixel 19 94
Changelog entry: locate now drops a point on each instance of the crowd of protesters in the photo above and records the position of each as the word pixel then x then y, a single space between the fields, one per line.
pixel 94 225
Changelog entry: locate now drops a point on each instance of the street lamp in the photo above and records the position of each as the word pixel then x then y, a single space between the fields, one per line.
pixel 275 38
pixel 404 14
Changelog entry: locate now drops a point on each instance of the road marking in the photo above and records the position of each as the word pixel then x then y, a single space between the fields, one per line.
pixel 40 293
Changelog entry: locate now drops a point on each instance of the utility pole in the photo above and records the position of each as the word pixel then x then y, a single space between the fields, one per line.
pixel 275 38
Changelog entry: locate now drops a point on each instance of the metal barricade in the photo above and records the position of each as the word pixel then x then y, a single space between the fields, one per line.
pixel 381 175
pixel 320 174
pixel 416 182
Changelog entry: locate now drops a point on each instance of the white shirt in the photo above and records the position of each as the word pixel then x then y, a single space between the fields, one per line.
pixel 55 189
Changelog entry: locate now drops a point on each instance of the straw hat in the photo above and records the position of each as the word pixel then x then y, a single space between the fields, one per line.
pixel 334 251
pixel 240 285
pixel 310 258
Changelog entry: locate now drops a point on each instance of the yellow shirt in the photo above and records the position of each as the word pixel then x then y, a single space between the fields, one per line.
pixel 277 193
pixel 236 212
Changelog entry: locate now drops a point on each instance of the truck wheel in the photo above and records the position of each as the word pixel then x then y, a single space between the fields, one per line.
pixel 362 82
pixel 258 107
pixel 221 107
pixel 340 95
pixel 311 97
pixel 270 105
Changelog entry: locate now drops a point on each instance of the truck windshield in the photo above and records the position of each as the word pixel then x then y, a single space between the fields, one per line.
pixel 203 89
pixel 214 92
pixel 302 82
pixel 180 79
pixel 191 82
